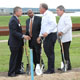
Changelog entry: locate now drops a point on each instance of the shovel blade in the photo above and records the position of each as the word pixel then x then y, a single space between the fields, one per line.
pixel 38 70
pixel 28 69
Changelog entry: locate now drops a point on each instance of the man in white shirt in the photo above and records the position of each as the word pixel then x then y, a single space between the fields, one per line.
pixel 48 31
pixel 65 31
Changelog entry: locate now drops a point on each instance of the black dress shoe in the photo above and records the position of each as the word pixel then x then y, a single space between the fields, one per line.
pixel 12 75
pixel 49 72
pixel 63 69
pixel 20 72
pixel 69 68
pixel 59 69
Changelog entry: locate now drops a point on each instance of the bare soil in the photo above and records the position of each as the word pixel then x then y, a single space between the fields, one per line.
pixel 74 74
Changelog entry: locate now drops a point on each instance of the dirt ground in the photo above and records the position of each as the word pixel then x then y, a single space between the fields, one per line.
pixel 74 74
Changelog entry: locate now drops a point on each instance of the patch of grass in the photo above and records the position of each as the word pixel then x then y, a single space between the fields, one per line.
pixel 4 57
pixel 4 20
pixel 74 54
pixel 23 20
pixel 73 18
pixel 4 37
pixel 76 32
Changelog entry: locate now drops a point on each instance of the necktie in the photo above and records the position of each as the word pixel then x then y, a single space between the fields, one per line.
pixel 31 28
pixel 18 21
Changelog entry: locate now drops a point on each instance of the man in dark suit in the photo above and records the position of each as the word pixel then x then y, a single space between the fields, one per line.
pixel 33 26
pixel 16 43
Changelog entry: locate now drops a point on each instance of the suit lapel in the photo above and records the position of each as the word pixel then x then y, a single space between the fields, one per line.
pixel 16 19
pixel 19 25
pixel 28 22
pixel 33 22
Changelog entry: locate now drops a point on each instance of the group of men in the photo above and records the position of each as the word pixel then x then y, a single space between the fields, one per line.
pixel 36 28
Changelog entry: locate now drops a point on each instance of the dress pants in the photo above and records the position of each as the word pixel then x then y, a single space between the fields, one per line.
pixel 36 55
pixel 49 44
pixel 15 59
pixel 66 47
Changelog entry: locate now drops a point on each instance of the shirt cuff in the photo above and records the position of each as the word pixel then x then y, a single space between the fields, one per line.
pixel 23 36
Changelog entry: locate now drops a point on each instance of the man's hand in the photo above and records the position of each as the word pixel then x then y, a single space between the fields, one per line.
pixel 45 34
pixel 39 40
pixel 60 34
pixel 27 37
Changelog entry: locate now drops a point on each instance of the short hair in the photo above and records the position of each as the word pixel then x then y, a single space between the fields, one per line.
pixel 44 5
pixel 61 7
pixel 16 9
pixel 29 10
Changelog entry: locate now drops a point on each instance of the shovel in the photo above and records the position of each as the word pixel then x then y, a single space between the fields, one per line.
pixel 41 60
pixel 39 70
pixel 28 65
pixel 64 62
pixel 40 67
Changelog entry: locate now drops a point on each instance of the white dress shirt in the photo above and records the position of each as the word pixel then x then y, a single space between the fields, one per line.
pixel 48 23
pixel 65 26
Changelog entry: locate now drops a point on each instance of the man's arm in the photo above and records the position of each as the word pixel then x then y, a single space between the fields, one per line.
pixel 14 32
pixel 27 27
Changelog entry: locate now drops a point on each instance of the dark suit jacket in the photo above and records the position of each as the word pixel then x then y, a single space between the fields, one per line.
pixel 15 36
pixel 35 31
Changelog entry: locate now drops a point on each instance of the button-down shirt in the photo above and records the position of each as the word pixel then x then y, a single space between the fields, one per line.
pixel 48 23
pixel 65 26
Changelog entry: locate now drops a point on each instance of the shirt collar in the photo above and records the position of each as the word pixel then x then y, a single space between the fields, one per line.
pixel 63 14
pixel 45 12
pixel 32 18
pixel 16 17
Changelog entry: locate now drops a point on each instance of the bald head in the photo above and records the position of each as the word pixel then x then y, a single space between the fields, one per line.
pixel 30 13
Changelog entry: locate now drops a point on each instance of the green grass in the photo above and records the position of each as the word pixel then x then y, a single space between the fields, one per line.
pixel 75 19
pixel 23 20
pixel 76 32
pixel 4 20
pixel 74 54
pixel 6 37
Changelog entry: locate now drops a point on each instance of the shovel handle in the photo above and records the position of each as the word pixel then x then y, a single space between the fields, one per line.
pixel 25 47
pixel 65 62
pixel 26 51
pixel 32 72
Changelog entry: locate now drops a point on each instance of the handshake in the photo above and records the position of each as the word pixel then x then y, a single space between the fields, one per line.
pixel 26 37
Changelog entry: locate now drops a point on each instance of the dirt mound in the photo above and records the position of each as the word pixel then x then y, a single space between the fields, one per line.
pixel 70 75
